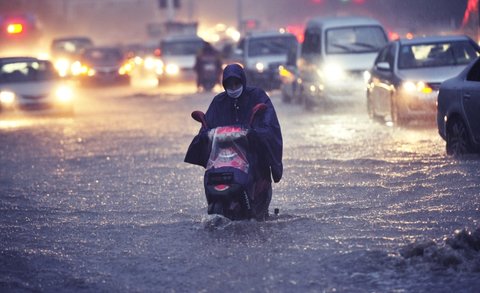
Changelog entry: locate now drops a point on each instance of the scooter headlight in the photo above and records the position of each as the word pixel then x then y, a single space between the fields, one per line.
pixel 260 66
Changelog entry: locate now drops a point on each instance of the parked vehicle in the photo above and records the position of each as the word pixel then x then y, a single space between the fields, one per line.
pixel 458 111
pixel 177 55
pixel 407 74
pixel 262 54
pixel 32 85
pixel 335 55
pixel 65 51
pixel 103 65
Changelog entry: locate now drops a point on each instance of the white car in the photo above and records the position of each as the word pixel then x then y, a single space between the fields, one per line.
pixel 32 85
pixel 177 55
pixel 407 74
pixel 335 56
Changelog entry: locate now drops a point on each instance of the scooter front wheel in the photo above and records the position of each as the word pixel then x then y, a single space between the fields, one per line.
pixel 218 208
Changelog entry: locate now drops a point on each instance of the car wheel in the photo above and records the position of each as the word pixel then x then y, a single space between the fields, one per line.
pixel 458 142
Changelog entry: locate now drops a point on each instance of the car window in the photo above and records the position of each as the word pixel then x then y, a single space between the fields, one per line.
pixel 386 55
pixel 474 73
pixel 355 40
pixel 312 42
pixel 265 46
pixel 436 54
pixel 26 71
pixel 71 46
pixel 103 54
pixel 178 48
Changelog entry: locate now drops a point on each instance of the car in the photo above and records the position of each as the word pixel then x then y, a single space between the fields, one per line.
pixel 103 65
pixel 458 110
pixel 32 85
pixel 262 54
pixel 335 55
pixel 65 51
pixel 177 56
pixel 407 73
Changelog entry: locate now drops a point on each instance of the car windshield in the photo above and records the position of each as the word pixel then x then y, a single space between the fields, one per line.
pixel 358 39
pixel 271 45
pixel 108 55
pixel 71 46
pixel 436 54
pixel 26 71
pixel 184 47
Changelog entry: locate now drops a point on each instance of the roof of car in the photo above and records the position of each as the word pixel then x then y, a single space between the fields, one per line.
pixel 268 34
pixel 433 39
pixel 72 38
pixel 181 38
pixel 18 59
pixel 341 21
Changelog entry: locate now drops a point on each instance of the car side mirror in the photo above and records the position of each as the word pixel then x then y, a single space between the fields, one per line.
pixel 383 66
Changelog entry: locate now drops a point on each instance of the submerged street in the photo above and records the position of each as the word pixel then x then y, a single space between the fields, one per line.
pixel 103 202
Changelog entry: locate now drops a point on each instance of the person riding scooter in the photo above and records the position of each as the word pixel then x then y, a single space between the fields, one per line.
pixel 208 67
pixel 234 107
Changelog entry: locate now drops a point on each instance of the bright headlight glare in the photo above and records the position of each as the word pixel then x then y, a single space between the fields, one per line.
pixel 64 94
pixel 420 87
pixel 260 66
pixel 62 66
pixel 366 76
pixel 172 69
pixel 7 97
pixel 333 72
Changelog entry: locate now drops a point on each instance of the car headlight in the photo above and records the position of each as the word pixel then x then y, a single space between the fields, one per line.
pixel 62 66
pixel 332 72
pixel 172 69
pixel 125 68
pixel 260 67
pixel 64 94
pixel 419 87
pixel 366 76
pixel 7 98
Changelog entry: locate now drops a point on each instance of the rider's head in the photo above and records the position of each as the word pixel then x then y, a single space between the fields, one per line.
pixel 234 81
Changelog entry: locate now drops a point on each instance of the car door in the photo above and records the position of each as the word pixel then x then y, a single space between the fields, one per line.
pixel 471 99
pixel 382 78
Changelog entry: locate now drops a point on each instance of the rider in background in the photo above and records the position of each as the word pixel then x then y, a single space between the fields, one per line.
pixel 234 107
pixel 207 58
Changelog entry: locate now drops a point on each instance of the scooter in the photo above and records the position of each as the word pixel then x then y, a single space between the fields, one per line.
pixel 209 75
pixel 228 178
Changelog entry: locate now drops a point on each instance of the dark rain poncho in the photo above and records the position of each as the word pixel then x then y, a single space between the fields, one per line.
pixel 264 135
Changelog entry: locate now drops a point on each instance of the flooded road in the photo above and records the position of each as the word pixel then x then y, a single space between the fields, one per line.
pixel 102 202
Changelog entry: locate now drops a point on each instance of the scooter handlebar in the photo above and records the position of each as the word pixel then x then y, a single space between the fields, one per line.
pixel 200 117
pixel 259 108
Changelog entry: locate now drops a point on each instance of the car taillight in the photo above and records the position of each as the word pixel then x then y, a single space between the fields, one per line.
pixel 14 28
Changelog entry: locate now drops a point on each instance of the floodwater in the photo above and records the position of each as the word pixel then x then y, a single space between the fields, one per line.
pixel 103 202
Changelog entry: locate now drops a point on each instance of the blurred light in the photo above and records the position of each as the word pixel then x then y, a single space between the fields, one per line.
pixel 366 76
pixel 126 68
pixel 260 66
pixel 62 66
pixel 333 72
pixel 409 36
pixel 7 98
pixel 420 86
pixel 394 36
pixel 14 28
pixel 64 94
pixel 172 69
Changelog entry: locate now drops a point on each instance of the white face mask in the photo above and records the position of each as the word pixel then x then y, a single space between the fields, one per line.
pixel 235 93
